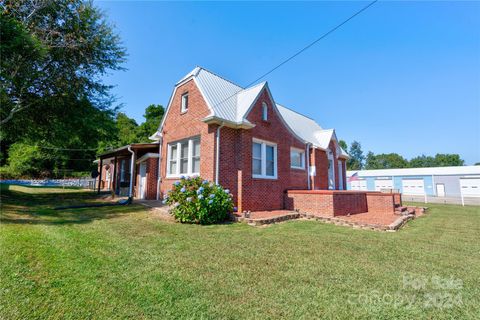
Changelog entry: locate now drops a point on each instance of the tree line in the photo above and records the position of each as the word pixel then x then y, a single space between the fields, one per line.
pixel 56 112
pixel 358 161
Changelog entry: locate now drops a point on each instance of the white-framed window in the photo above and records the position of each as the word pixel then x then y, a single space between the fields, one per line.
pixel 184 107
pixel 264 159
pixel 183 157
pixel 297 158
pixel 264 111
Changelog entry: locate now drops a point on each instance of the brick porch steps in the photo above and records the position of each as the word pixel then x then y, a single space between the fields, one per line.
pixel 262 218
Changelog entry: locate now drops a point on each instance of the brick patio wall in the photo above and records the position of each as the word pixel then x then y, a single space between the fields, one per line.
pixel 337 203
pixel 380 202
pixel 326 202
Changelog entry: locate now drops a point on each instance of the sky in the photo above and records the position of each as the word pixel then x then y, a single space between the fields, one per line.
pixel 401 77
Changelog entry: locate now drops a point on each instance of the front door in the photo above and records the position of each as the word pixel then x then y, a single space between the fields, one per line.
pixel 143 180
pixel 440 190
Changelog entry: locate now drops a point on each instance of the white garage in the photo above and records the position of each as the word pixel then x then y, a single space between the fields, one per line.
pixel 359 185
pixel 382 184
pixel 413 186
pixel 470 187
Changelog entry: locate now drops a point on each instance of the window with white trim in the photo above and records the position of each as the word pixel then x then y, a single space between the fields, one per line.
pixel 264 159
pixel 184 107
pixel 297 158
pixel 183 157
pixel 264 111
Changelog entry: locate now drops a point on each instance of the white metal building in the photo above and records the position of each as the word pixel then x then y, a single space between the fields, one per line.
pixel 455 182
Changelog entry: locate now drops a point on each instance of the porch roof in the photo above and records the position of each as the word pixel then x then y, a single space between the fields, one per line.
pixel 123 151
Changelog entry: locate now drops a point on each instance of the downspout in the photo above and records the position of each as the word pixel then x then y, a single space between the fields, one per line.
pixel 159 173
pixel 217 155
pixel 308 166
pixel 132 164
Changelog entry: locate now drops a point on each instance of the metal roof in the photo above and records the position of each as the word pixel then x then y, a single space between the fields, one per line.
pixel 231 102
pixel 431 171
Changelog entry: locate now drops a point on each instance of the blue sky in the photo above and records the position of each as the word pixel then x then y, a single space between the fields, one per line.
pixel 401 77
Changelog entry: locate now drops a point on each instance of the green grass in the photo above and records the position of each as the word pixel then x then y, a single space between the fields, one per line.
pixel 123 262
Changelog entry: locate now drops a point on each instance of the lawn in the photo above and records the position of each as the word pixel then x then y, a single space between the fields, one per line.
pixel 124 262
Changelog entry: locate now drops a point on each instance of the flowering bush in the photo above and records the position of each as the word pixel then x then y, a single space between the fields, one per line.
pixel 195 200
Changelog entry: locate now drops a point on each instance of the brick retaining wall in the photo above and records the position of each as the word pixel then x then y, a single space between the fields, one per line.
pixel 337 203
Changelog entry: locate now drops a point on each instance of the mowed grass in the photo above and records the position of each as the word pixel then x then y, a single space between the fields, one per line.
pixel 124 262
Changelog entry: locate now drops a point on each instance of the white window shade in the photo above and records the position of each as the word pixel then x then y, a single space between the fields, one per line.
pixel 183 158
pixel 264 159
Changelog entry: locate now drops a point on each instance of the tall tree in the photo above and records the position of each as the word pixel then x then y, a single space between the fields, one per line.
pixel 53 54
pixel 153 115
pixel 356 156
pixel 343 145
pixel 127 129
pixel 52 50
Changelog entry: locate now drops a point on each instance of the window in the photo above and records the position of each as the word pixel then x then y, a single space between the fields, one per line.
pixel 264 111
pixel 264 159
pixel 184 102
pixel 183 157
pixel 297 158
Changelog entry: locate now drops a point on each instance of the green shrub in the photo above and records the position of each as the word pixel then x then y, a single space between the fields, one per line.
pixel 28 160
pixel 195 200
pixel 7 174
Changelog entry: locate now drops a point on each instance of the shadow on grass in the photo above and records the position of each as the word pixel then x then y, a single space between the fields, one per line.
pixel 19 206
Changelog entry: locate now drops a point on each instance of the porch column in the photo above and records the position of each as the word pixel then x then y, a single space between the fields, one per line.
pixel 100 163
pixel 114 175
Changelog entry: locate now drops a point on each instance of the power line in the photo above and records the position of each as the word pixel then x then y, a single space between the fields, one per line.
pixel 314 42
pixel 304 49
pixel 67 149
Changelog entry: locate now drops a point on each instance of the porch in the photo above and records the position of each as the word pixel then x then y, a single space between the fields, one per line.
pixel 125 171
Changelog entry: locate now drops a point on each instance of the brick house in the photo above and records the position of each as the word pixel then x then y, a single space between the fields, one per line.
pixel 237 137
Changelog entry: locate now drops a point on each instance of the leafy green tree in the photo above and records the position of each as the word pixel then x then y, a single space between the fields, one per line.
pixel 447 160
pixel 53 56
pixel 477 164
pixel 422 161
pixel 385 161
pixel 28 159
pixel 55 49
pixel 343 145
pixel 356 156
pixel 153 115
pixel 127 129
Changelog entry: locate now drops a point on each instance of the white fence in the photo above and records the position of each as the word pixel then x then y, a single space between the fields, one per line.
pixel 87 183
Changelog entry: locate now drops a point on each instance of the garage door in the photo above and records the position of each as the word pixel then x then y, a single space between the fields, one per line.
pixel 359 185
pixel 383 184
pixel 413 186
pixel 470 187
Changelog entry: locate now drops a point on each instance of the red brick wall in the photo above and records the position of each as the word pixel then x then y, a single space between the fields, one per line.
pixel 380 202
pixel 263 194
pixel 152 174
pixel 179 126
pixel 326 202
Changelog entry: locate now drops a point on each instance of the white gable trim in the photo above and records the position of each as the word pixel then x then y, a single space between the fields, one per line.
pixel 274 107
